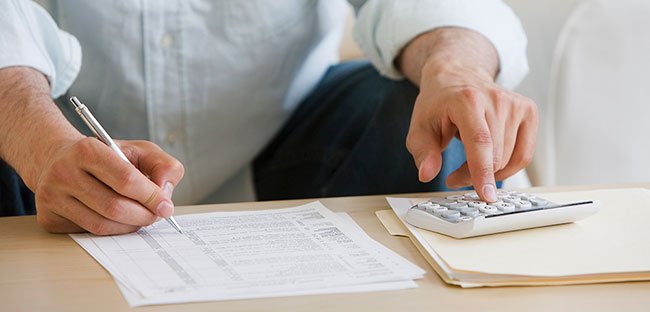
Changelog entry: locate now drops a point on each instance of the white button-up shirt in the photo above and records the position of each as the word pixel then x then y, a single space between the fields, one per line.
pixel 211 82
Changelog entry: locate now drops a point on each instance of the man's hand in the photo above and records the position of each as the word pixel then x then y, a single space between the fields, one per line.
pixel 455 70
pixel 80 183
pixel 87 187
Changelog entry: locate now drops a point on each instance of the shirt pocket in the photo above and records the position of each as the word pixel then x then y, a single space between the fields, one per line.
pixel 249 21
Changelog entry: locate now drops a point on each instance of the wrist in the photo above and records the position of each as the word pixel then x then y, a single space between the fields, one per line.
pixel 438 74
pixel 449 56
pixel 32 128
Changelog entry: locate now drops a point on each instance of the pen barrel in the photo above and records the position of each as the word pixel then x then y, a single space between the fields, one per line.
pixel 118 151
pixel 98 130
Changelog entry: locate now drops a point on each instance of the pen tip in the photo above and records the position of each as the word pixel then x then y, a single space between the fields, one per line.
pixel 175 225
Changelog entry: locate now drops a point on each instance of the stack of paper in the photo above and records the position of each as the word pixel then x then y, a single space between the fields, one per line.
pixel 249 254
pixel 611 246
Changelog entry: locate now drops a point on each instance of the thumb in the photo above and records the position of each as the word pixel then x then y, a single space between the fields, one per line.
pixel 426 150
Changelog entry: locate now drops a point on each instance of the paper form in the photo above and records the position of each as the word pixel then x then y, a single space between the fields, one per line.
pixel 248 254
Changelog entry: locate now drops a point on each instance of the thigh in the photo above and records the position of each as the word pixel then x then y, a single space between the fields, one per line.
pixel 15 198
pixel 348 138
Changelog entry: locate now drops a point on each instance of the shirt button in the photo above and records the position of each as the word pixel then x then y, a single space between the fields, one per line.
pixel 166 41
pixel 171 138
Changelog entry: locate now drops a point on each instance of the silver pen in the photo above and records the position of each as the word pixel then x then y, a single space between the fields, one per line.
pixel 103 136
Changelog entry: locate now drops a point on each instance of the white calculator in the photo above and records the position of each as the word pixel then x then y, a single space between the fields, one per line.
pixel 462 216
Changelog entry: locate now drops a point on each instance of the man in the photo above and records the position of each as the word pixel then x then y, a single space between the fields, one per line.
pixel 216 83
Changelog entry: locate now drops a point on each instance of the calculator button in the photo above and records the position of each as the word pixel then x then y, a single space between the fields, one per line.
pixel 523 205
pixel 527 197
pixel 451 215
pixel 510 199
pixel 438 211
pixel 470 212
pixel 465 218
pixel 471 196
pixel 454 197
pixel 442 201
pixel 423 205
pixel 489 209
pixel 505 207
pixel 427 205
pixel 537 202
pixel 477 204
pixel 456 206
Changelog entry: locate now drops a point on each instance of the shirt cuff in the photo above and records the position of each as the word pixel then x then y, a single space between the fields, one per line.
pixel 384 27
pixel 31 38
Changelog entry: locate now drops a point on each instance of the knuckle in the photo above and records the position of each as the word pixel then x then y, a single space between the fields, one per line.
pixel 501 99
pixel 128 150
pixel 174 166
pixel 46 223
pixel 485 171
pixel 528 105
pixel 409 143
pixel 497 162
pixel 99 228
pixel 532 108
pixel 469 93
pixel 86 148
pixel 177 166
pixel 481 137
pixel 526 158
pixel 126 177
pixel 523 159
pixel 499 96
pixel 144 145
pixel 113 208
pixel 149 221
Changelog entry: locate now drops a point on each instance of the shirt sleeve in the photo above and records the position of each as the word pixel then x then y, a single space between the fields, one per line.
pixel 384 27
pixel 30 37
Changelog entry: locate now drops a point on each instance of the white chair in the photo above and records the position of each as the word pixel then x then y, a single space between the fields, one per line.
pixel 597 121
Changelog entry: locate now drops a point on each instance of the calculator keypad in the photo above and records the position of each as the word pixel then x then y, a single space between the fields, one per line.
pixel 466 207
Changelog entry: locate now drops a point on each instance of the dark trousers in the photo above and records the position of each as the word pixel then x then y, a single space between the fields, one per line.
pixel 15 198
pixel 348 138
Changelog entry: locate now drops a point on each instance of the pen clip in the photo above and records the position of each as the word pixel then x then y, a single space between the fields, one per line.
pixel 90 121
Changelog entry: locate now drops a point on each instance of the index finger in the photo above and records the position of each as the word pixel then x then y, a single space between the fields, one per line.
pixel 478 143
pixel 163 169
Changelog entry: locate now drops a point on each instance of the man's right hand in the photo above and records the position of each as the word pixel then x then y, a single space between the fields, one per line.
pixel 87 187
pixel 80 183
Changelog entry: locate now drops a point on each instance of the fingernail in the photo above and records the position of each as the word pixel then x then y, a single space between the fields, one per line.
pixel 165 209
pixel 420 174
pixel 168 189
pixel 490 193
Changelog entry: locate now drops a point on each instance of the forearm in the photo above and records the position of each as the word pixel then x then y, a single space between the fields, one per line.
pixel 31 126
pixel 447 56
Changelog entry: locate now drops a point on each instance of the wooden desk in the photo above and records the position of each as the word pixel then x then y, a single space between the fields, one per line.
pixel 47 272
